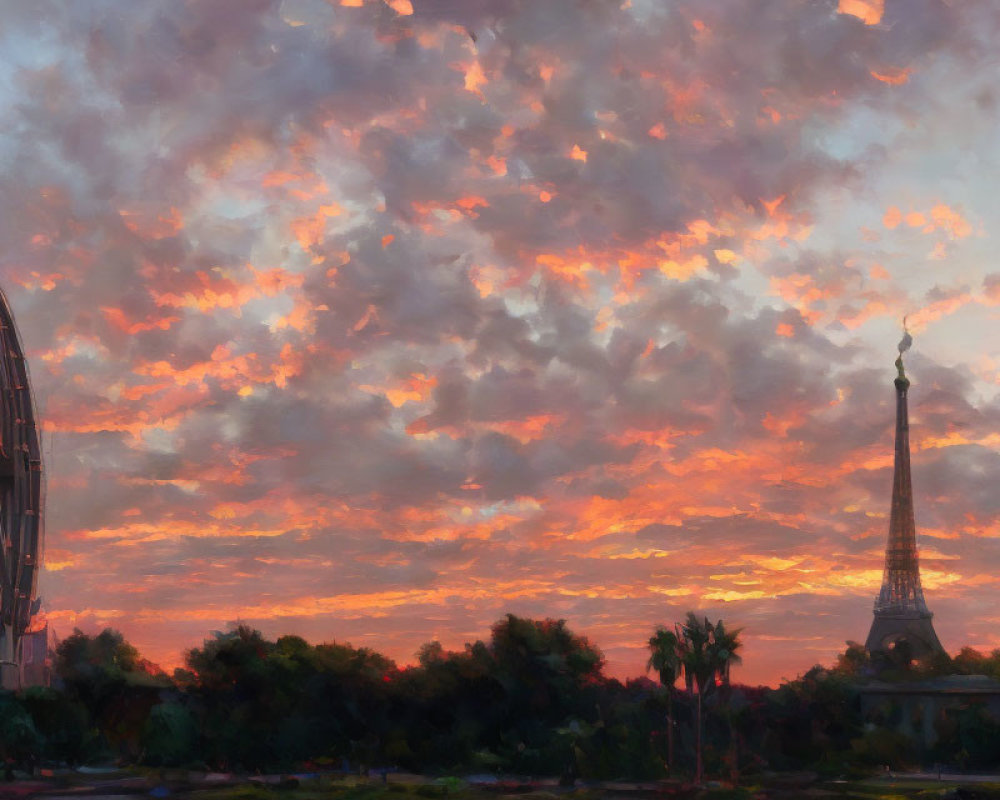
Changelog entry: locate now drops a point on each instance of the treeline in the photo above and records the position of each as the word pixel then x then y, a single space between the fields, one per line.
pixel 533 699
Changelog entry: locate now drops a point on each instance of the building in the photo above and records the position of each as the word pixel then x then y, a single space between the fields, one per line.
pixel 36 666
pixel 916 708
pixel 902 620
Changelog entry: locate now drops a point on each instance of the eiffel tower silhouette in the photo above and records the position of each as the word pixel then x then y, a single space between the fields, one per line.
pixel 901 614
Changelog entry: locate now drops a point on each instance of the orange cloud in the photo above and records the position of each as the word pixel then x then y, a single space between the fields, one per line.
pixel 528 428
pixel 208 293
pixel 58 559
pixel 311 230
pixel 401 7
pixel 941 218
pixel 416 388
pixel 474 78
pixel 567 270
pixel 868 11
pixel 869 305
pixel 153 227
pixel 801 292
pixel 232 371
pixel 118 319
pixel 894 77
pixel 781 224
pixel 37 280
pixel 951 221
pixel 921 318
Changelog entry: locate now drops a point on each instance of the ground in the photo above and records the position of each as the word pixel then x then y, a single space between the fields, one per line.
pixel 181 784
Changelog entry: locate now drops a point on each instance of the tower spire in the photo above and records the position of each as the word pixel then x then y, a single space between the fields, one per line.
pixel 901 613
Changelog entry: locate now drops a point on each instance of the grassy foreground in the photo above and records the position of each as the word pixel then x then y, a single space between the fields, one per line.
pixel 178 784
pixel 452 789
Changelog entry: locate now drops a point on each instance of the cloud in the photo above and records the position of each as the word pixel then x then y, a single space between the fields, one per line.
pixel 381 320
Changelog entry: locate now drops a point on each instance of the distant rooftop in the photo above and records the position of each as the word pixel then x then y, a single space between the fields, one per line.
pixel 949 684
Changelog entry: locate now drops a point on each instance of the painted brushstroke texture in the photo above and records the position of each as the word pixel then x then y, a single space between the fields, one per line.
pixel 373 321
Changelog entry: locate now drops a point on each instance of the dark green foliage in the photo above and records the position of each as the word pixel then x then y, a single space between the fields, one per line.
pixel 19 740
pixel 972 662
pixel 812 720
pixel 88 661
pixel 665 656
pixel 62 724
pixel 274 704
pixel 969 736
pixel 499 704
pixel 881 746
pixel 170 736
pixel 105 675
pixel 545 674
pixel 236 696
pixel 532 699
pixel 854 662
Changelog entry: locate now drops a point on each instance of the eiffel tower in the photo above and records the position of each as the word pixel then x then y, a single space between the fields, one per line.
pixel 901 615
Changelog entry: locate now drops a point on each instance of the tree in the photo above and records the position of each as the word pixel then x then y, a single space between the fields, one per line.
pixel 234 693
pixel 170 737
pixel 695 637
pixel 19 739
pixel 82 658
pixel 62 723
pixel 707 652
pixel 665 658
pixel 854 662
pixel 723 654
pixel 117 687
pixel 542 665
pixel 547 675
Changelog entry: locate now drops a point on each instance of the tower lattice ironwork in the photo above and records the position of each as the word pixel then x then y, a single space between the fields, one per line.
pixel 901 614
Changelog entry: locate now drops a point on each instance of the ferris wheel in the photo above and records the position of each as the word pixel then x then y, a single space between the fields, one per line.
pixel 20 500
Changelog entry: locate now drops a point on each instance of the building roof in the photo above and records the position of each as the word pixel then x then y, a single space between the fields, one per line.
pixel 949 684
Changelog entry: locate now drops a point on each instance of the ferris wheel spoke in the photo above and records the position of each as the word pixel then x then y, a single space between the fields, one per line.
pixel 20 500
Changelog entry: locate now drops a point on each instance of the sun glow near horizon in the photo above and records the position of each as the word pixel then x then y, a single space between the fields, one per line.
pixel 375 321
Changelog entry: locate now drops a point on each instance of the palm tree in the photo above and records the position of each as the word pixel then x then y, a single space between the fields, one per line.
pixel 724 646
pixel 707 652
pixel 665 658
pixel 694 642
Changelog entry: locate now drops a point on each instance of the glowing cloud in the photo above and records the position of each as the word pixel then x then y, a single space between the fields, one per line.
pixel 379 320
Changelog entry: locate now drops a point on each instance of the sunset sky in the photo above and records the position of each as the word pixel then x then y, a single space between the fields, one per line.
pixel 373 320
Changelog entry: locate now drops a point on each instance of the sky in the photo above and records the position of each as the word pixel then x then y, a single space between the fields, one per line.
pixel 374 320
